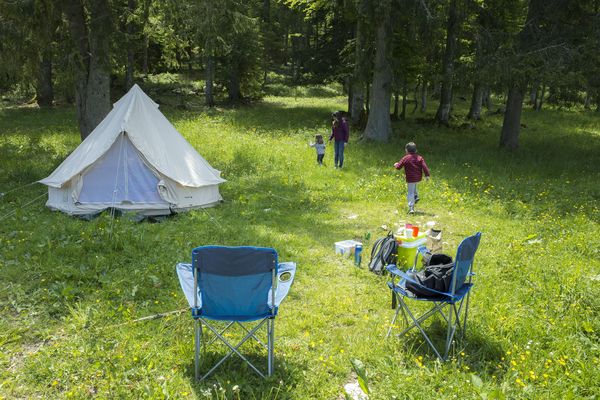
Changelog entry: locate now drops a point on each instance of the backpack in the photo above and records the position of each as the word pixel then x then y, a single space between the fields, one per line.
pixel 436 275
pixel 384 252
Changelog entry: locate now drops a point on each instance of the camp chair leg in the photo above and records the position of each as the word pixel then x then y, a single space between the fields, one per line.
pixel 234 349
pixel 255 338
pixel 212 340
pixel 417 323
pixel 197 343
pixel 440 308
pixel 271 343
pixel 457 316
pixel 418 320
pixel 466 314
pixel 450 332
pixel 404 317
pixel 398 308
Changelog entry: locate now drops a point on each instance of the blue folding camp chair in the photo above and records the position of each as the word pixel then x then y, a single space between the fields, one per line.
pixel 239 285
pixel 456 296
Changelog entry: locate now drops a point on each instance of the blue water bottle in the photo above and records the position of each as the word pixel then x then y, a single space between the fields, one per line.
pixel 358 254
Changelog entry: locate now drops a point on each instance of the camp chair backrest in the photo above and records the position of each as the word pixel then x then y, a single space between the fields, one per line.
pixel 235 282
pixel 463 262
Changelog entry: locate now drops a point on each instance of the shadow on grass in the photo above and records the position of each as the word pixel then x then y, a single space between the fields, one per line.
pixel 474 345
pixel 236 371
pixel 250 384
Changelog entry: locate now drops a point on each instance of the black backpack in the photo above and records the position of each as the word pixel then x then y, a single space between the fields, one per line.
pixel 436 274
pixel 384 252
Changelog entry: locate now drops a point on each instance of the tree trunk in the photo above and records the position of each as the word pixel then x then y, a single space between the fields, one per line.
pixel 266 19
pixel 404 99
pixel 233 87
pixel 443 112
pixel 396 105
pixel 533 96
pixel 210 76
pixel 44 88
pixel 348 84
pixel 540 99
pixel 379 124
pixel 416 99
pixel 487 98
pixel 476 100
pixel 129 68
pixel 511 127
pixel 368 97
pixel 588 101
pixel 359 77
pixel 266 10
pixel 146 16
pixel 92 77
pixel 424 96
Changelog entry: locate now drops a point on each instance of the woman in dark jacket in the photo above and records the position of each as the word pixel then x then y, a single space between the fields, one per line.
pixel 341 133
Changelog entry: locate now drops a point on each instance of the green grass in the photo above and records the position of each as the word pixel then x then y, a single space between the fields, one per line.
pixel 70 287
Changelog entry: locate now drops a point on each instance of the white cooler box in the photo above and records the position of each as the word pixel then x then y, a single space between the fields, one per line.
pixel 346 247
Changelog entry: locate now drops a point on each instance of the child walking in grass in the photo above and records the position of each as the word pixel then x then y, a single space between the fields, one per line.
pixel 320 147
pixel 414 166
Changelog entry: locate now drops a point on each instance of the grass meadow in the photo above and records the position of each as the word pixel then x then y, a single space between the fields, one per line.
pixel 72 290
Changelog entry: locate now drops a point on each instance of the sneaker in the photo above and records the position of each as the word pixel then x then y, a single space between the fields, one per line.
pixel 417 198
pixel 411 210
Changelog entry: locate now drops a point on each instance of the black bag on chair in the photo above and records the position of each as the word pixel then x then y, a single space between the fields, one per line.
pixel 436 275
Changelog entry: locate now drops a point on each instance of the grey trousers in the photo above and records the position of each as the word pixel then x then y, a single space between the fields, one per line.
pixel 411 193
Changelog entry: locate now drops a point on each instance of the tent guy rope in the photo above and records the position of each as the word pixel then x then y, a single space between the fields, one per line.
pixel 2 194
pixel 2 218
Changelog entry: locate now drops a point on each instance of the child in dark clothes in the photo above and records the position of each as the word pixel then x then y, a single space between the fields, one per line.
pixel 414 167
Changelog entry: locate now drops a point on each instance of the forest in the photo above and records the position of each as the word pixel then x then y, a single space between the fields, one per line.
pixel 502 98
pixel 398 56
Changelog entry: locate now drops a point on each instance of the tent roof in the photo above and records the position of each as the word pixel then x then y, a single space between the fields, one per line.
pixel 151 134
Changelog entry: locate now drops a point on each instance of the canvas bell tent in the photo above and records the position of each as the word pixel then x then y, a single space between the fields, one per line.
pixel 134 160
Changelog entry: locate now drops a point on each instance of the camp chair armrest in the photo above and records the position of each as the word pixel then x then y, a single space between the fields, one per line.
pixel 185 273
pixel 422 250
pixel 393 269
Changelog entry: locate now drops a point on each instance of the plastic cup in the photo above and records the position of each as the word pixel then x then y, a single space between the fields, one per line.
pixel 415 231
pixel 408 232
pixel 407 226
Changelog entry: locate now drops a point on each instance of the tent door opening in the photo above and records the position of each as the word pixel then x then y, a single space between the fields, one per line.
pixel 120 177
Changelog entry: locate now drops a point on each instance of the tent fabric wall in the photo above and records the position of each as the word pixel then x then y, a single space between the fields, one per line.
pixel 133 160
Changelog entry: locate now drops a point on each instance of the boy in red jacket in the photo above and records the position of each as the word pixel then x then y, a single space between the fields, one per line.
pixel 414 167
